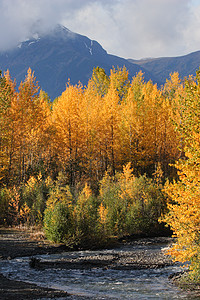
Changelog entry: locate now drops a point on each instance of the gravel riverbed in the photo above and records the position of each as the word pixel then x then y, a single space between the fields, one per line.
pixel 16 243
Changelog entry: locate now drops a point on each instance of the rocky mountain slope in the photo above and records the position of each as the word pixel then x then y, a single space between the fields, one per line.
pixel 161 67
pixel 59 56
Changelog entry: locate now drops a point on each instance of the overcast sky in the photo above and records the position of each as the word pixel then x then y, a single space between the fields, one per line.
pixel 127 28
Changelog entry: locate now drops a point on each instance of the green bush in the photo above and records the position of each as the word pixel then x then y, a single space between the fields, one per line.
pixel 4 206
pixel 58 223
pixel 9 206
pixel 58 216
pixel 70 220
pixel 86 217
pixel 133 204
pixel 145 206
pixel 34 195
pixel 115 206
pixel 126 205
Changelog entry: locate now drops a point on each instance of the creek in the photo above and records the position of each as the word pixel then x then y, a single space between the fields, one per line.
pixel 117 278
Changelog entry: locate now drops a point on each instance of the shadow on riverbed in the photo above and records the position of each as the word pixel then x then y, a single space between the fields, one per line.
pixel 17 290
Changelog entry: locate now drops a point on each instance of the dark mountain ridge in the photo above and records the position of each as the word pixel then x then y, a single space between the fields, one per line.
pixel 162 67
pixel 62 54
pixel 59 56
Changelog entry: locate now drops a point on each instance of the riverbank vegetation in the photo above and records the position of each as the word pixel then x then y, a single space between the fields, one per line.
pixel 106 160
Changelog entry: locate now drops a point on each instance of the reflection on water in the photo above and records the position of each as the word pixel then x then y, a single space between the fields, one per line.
pixel 98 283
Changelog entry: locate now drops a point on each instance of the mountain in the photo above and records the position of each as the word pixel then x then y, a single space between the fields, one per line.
pixel 61 55
pixel 161 67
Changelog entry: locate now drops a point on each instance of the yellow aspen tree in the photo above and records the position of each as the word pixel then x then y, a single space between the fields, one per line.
pixel 102 214
pixel 172 142
pixel 130 122
pixel 7 92
pixel 68 130
pixel 156 129
pixel 109 134
pixel 148 118
pixel 44 132
pixel 126 181
pixel 184 207
pixel 28 118
pixel 120 81
pixel 99 82
pixel 90 108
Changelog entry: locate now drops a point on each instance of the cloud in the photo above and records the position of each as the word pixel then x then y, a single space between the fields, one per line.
pixel 128 28
pixel 20 18
pixel 138 28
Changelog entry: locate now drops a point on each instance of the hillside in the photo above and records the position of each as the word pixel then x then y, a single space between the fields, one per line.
pixel 59 56
pixel 161 67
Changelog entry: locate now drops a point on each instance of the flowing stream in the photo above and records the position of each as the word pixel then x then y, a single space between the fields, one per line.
pixel 99 283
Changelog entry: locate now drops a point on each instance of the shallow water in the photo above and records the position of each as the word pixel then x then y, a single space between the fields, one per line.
pixel 98 283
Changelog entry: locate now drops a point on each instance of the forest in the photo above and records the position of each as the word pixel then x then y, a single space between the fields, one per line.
pixel 115 158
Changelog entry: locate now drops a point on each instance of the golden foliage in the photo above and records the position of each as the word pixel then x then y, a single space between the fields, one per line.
pixel 103 214
pixel 184 195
